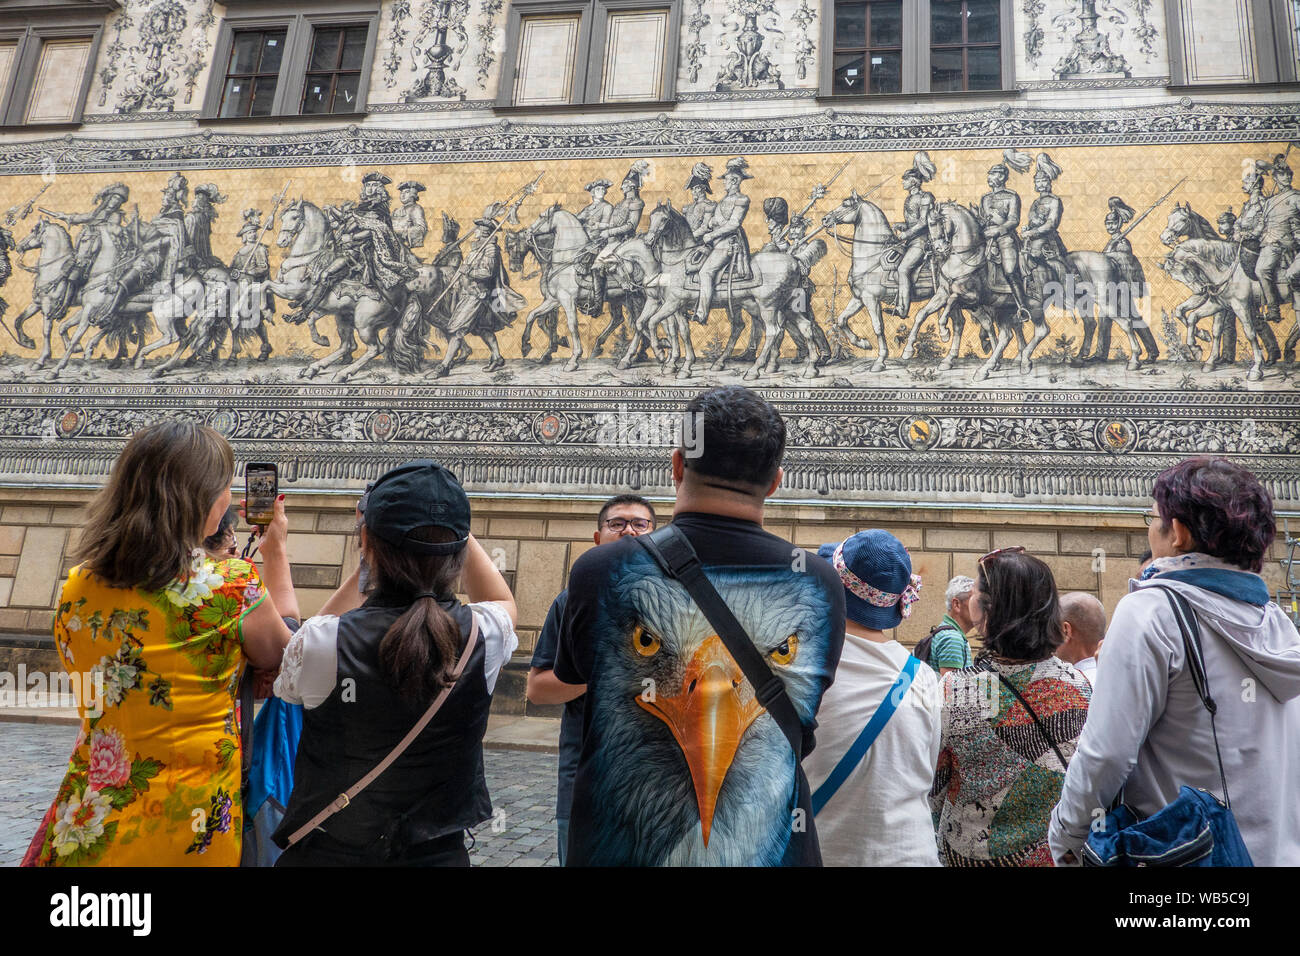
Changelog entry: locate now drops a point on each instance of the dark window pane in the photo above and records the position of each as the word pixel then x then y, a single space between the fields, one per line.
pixel 243 53
pixel 345 92
pixel 325 50
pixel 317 96
pixel 985 68
pixel 850 25
pixel 849 75
pixel 354 48
pixel 886 72
pixel 945 70
pixel 887 24
pixel 263 95
pixel 236 97
pixel 272 51
pixel 982 21
pixel 945 22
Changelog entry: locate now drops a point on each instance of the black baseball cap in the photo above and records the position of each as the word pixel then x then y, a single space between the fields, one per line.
pixel 418 494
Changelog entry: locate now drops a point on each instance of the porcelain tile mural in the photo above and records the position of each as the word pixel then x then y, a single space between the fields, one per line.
pixel 1003 304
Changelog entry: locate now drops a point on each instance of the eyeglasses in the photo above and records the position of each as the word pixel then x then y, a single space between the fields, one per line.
pixel 619 525
pixel 1018 549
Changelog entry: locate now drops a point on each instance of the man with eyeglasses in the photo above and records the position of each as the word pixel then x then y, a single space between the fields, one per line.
pixel 621 515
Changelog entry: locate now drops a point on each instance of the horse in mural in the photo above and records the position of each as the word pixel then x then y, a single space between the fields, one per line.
pixel 659 260
pixel 875 252
pixel 170 303
pixel 359 312
pixel 1221 290
pixel 964 283
pixel 550 240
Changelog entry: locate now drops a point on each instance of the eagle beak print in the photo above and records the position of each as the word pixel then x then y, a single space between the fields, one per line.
pixel 708 718
pixel 686 767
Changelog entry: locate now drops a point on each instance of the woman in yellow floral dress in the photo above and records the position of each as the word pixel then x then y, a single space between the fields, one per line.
pixel 164 630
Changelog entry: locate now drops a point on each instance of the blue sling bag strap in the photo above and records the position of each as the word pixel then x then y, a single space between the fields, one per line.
pixel 853 756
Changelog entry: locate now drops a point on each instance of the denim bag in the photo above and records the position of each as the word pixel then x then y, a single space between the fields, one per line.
pixel 1197 829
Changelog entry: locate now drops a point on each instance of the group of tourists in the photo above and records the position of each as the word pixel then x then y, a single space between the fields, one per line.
pixel 729 698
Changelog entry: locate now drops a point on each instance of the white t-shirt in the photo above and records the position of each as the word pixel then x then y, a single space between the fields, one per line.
pixel 1088 668
pixel 880 816
pixel 309 669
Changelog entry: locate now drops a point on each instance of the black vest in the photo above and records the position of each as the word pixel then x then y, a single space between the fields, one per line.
pixel 435 788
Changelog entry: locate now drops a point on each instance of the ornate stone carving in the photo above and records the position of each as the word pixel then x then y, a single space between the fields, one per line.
pixel 155 59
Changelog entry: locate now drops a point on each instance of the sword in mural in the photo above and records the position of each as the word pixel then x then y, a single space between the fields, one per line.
pixel 818 192
pixel 1153 208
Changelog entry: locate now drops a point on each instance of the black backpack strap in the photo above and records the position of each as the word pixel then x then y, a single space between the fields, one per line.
pixel 1191 631
pixel 673 552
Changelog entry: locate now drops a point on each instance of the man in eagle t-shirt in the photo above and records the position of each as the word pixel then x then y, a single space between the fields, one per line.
pixel 680 764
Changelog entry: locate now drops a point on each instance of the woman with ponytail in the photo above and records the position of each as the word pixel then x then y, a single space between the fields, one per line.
pixel 368 674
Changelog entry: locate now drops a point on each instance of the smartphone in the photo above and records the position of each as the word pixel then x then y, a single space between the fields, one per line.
pixel 261 485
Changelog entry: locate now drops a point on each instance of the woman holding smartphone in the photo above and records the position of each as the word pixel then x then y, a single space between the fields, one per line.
pixel 154 779
pixel 368 675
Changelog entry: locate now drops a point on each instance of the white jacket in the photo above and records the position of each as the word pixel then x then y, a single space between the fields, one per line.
pixel 1148 731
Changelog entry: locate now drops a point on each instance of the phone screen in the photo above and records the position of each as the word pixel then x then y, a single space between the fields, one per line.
pixel 261 485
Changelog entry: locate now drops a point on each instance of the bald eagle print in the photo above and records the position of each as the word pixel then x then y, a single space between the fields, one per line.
pixel 681 765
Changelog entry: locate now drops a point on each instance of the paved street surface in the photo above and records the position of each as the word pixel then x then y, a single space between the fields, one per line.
pixel 522 784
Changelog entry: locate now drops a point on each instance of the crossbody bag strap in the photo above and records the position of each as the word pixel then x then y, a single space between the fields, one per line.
pixel 673 552
pixel 1042 728
pixel 343 799
pixel 853 756
pixel 1191 631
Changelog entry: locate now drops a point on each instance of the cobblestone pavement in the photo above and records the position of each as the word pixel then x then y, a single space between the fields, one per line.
pixel 522 784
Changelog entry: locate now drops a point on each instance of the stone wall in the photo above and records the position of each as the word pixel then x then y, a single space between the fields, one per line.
pixel 537 541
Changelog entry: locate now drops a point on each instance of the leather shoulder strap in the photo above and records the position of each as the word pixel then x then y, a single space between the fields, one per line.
pixel 343 799
pixel 673 552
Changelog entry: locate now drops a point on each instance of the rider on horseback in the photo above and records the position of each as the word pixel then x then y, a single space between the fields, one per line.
pixel 371 253
pixel 914 231
pixel 409 222
pixel 1279 240
pixel 164 250
pixel 622 225
pixel 104 221
pixel 1044 251
pixel 1000 210
pixel 700 211
pixel 724 236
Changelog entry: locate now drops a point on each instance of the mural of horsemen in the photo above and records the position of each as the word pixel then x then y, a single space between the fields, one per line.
pixel 625 276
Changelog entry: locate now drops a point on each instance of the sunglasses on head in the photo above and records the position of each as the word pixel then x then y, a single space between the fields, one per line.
pixel 1018 549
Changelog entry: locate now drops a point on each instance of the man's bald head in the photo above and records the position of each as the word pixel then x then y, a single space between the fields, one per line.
pixel 1085 626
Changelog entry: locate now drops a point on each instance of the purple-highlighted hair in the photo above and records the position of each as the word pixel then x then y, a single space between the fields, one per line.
pixel 1224 506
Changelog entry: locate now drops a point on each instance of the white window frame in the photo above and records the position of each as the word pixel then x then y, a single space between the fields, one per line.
pixel 589 59
pixel 28 24
pixel 300 22
pixel 916 53
pixel 1275 50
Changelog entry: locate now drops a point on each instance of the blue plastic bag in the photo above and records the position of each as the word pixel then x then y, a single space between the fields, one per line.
pixel 276 732
pixel 1195 830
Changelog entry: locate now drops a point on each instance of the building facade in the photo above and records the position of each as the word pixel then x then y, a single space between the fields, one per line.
pixel 998 262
